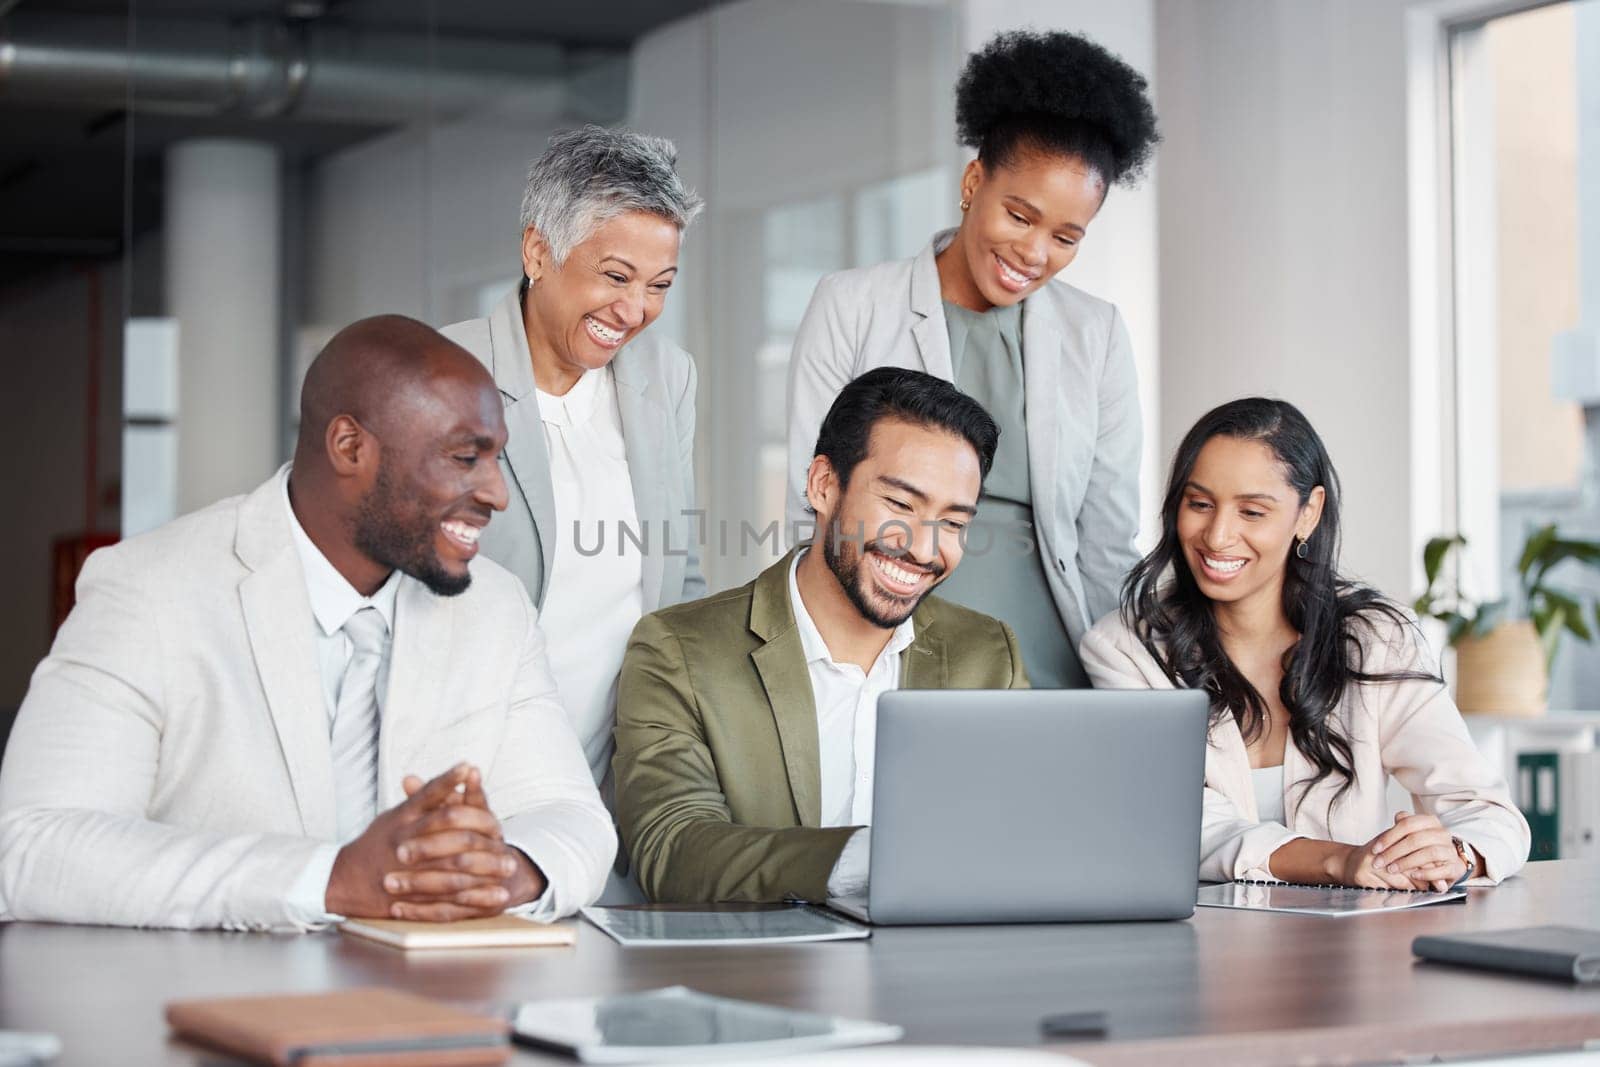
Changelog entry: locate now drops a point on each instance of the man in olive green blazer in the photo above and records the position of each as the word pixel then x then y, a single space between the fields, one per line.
pixel 721 767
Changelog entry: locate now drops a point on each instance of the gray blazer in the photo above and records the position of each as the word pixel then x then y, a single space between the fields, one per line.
pixel 655 394
pixel 1082 409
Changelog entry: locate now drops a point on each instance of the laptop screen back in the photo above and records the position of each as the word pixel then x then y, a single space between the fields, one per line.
pixel 1037 805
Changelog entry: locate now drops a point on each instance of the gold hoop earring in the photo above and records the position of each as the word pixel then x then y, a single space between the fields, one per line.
pixel 965 203
pixel 1300 549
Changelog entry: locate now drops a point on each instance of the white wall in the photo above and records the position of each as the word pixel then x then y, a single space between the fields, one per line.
pixel 1283 267
pixel 417 221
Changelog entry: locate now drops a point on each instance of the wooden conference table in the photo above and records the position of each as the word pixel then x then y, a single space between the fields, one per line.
pixel 1224 986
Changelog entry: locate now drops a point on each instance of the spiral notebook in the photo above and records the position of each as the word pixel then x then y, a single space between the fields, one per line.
pixel 1328 901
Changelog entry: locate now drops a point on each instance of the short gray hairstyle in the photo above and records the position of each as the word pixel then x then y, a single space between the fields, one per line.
pixel 590 175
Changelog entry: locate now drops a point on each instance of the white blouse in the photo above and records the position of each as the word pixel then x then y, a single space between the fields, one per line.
pixel 596 592
pixel 1268 783
pixel 1408 730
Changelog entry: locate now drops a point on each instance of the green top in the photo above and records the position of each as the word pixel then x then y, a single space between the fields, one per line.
pixel 1002 573
pixel 986 356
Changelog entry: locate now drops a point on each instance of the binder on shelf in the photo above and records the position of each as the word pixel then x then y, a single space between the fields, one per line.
pixel 1538 795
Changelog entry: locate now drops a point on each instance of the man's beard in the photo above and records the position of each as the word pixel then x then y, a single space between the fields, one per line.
pixel 847 567
pixel 395 537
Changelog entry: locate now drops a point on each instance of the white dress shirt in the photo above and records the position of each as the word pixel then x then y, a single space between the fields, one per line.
pixel 333 601
pixel 846 699
pixel 596 594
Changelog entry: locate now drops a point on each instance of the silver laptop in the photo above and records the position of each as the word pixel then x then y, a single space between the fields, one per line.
pixel 1045 805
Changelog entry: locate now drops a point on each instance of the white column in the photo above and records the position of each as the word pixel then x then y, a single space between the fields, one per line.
pixel 1586 26
pixel 223 209
pixel 1474 199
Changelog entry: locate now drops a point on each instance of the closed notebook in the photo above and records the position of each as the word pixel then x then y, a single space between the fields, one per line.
pixel 501 931
pixel 1569 952
pixel 349 1028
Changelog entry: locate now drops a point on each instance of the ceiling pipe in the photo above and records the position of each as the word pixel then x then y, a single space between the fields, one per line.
pixel 269 69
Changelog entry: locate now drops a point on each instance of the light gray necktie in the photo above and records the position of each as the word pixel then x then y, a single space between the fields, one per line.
pixel 355 723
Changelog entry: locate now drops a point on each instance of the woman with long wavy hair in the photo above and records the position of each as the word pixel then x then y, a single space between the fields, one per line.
pixel 1321 688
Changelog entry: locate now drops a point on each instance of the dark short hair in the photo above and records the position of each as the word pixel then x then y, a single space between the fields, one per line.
pixel 910 396
pixel 1059 93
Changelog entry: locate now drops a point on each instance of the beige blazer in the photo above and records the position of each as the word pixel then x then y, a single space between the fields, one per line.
pixel 171 766
pixel 1082 409
pixel 1409 729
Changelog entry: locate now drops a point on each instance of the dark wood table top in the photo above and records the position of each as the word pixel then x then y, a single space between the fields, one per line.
pixel 1225 986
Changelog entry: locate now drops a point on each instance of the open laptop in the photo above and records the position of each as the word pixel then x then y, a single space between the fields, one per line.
pixel 1044 805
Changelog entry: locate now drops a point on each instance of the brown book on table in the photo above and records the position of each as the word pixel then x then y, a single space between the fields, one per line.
pixel 343 1029
pixel 500 931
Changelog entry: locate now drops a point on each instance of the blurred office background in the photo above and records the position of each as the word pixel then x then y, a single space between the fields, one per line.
pixel 1385 211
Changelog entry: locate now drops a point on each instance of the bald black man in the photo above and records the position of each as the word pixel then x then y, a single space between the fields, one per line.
pixel 311 701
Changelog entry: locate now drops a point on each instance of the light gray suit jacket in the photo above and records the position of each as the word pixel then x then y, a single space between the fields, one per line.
pixel 171 763
pixel 1082 409
pixel 655 395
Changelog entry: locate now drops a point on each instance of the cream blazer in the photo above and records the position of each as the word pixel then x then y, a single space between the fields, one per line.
pixel 171 763
pixel 1408 729
pixel 1082 409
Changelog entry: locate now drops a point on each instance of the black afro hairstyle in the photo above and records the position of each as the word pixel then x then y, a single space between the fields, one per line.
pixel 1059 93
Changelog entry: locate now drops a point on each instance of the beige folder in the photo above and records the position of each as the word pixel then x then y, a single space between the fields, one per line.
pixel 348 1028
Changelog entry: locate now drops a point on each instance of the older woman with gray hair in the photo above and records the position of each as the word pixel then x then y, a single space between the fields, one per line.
pixel 599 465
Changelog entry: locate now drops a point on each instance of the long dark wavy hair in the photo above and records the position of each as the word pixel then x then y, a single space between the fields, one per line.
pixel 1173 618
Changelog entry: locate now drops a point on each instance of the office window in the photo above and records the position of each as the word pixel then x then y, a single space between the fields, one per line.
pixel 149 428
pixel 893 217
pixel 1525 152
pixel 890 219
pixel 801 243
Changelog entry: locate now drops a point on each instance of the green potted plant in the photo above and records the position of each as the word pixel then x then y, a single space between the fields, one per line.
pixel 1504 649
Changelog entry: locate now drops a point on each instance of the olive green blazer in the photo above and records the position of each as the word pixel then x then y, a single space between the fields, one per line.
pixel 718 778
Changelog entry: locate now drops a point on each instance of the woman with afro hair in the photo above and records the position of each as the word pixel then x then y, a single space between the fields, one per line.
pixel 1056 121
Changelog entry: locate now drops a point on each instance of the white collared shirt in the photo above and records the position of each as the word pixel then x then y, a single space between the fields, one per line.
pixel 596 594
pixel 846 699
pixel 333 601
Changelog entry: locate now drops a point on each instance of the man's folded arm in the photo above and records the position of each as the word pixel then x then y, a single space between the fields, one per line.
pixel 673 815
pixel 541 789
pixel 75 841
